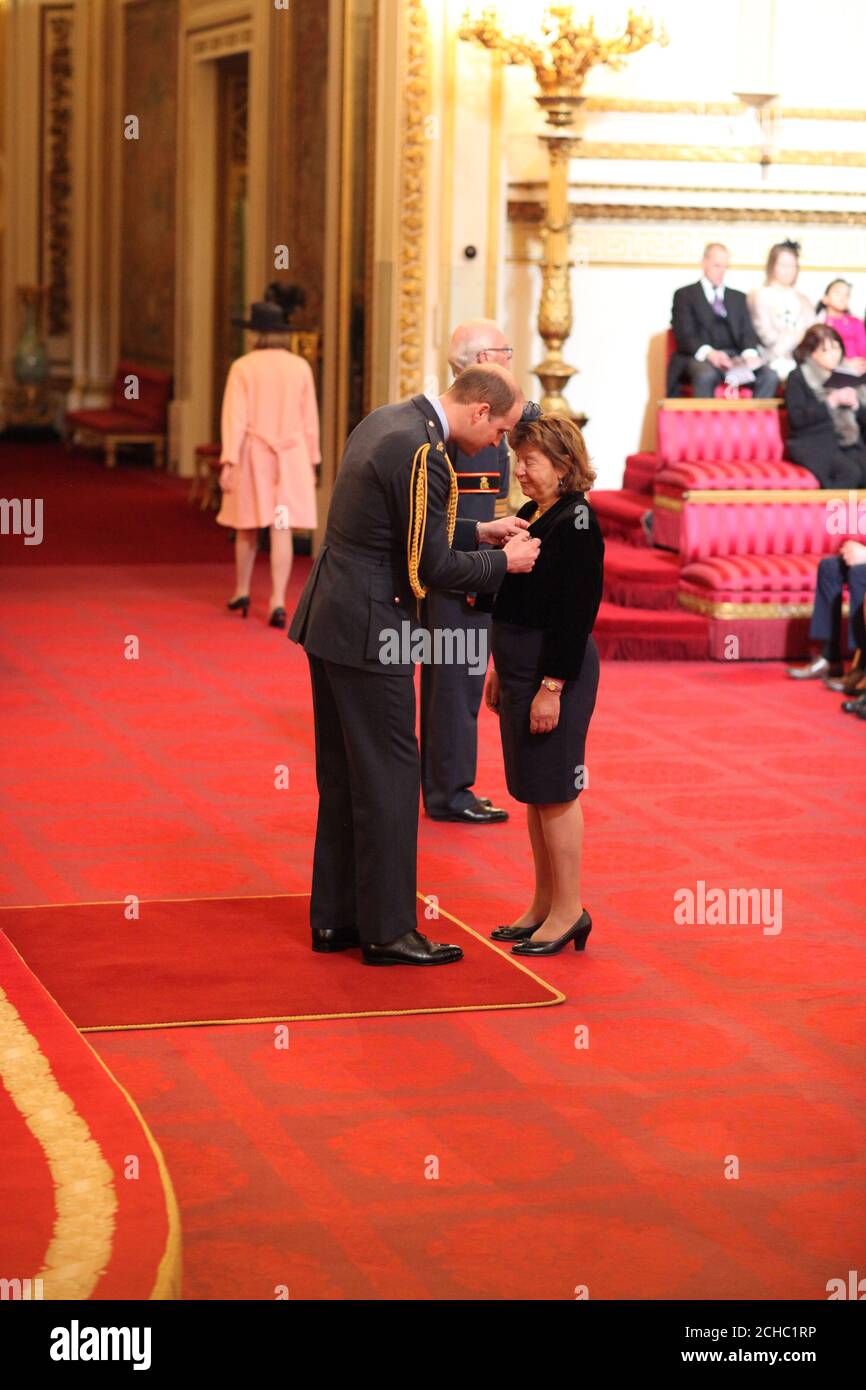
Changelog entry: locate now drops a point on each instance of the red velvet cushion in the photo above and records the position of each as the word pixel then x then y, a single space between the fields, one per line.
pixel 759 574
pixel 678 477
pixel 752 578
pixel 115 422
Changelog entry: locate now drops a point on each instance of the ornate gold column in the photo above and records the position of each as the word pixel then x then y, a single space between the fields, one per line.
pixel 562 52
pixel 554 310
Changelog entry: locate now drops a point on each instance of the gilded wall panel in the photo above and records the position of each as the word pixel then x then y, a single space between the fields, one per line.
pixel 302 181
pixel 55 163
pixel 150 84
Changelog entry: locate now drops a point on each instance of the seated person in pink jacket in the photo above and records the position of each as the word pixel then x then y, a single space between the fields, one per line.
pixel 833 309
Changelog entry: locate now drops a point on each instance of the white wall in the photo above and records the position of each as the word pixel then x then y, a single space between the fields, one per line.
pixel 628 265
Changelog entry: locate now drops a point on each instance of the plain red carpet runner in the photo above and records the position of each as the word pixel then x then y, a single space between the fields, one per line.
pixel 239 960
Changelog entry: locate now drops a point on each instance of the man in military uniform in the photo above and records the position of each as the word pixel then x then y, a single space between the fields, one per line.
pixel 391 524
pixel 451 690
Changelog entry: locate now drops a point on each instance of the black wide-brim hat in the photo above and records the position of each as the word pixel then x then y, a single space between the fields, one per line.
pixel 264 318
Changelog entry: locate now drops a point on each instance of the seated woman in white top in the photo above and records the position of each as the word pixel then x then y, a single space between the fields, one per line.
pixel 780 313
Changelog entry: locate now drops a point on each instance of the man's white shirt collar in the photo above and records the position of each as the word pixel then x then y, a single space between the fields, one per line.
pixel 710 290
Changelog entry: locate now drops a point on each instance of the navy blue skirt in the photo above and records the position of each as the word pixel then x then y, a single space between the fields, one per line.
pixel 541 769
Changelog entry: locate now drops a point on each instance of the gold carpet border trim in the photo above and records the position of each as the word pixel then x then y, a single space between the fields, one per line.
pixel 121 902
pixel 557 996
pixel 85 1201
pixel 168 1281
pixel 167 1284
pixel 673 504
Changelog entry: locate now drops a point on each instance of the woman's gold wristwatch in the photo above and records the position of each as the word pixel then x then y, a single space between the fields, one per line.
pixel 555 686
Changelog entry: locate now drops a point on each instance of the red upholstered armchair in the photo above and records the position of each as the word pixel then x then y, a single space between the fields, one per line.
pixel 138 414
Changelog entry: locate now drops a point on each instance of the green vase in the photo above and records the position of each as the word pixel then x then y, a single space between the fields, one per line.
pixel 31 355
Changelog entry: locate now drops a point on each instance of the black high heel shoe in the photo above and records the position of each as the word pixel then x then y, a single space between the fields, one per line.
pixel 513 933
pixel 277 618
pixel 242 603
pixel 578 934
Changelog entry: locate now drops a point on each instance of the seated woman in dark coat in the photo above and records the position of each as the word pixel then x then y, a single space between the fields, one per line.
pixel 545 676
pixel 825 426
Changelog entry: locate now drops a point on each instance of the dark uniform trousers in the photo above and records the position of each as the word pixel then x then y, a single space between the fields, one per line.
pixel 450 701
pixel 451 693
pixel 359 589
pixel 365 862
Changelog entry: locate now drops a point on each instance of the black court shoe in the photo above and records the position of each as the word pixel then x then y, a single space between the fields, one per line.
pixel 513 933
pixel 277 618
pixel 242 603
pixel 578 934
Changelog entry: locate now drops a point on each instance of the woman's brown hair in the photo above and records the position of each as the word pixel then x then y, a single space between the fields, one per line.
pixel 815 337
pixel 561 441
pixel 776 252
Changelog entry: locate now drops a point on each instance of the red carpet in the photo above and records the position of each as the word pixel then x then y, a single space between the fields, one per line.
pixel 558 1164
pixel 98 516
pixel 73 1213
pixel 242 960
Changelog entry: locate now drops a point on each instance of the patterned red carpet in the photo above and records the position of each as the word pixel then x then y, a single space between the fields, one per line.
pixel 702 1137
pixel 87 1208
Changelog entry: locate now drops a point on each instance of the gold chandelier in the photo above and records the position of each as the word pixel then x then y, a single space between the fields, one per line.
pixel 562 51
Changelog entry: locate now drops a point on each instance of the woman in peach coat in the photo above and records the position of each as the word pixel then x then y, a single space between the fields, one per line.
pixel 270 448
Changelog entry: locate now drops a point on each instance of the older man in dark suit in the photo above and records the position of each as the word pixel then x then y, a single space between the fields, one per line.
pixel 451 690
pixel 391 524
pixel 712 326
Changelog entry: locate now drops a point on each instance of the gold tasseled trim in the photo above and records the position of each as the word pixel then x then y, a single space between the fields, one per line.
pixel 84 1196
pixel 711 608
pixel 418 514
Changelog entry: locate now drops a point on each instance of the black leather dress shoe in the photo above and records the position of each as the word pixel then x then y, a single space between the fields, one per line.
pixel 513 933
pixel 578 934
pixel 854 706
pixel 327 939
pixel 479 814
pixel 410 949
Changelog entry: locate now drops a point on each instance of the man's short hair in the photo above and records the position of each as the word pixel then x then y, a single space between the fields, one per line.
pixel 713 246
pixel 483 384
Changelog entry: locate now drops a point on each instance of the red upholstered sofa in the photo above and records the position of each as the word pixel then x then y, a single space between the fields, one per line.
pixel 718 445
pixel 143 419
pixel 754 567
